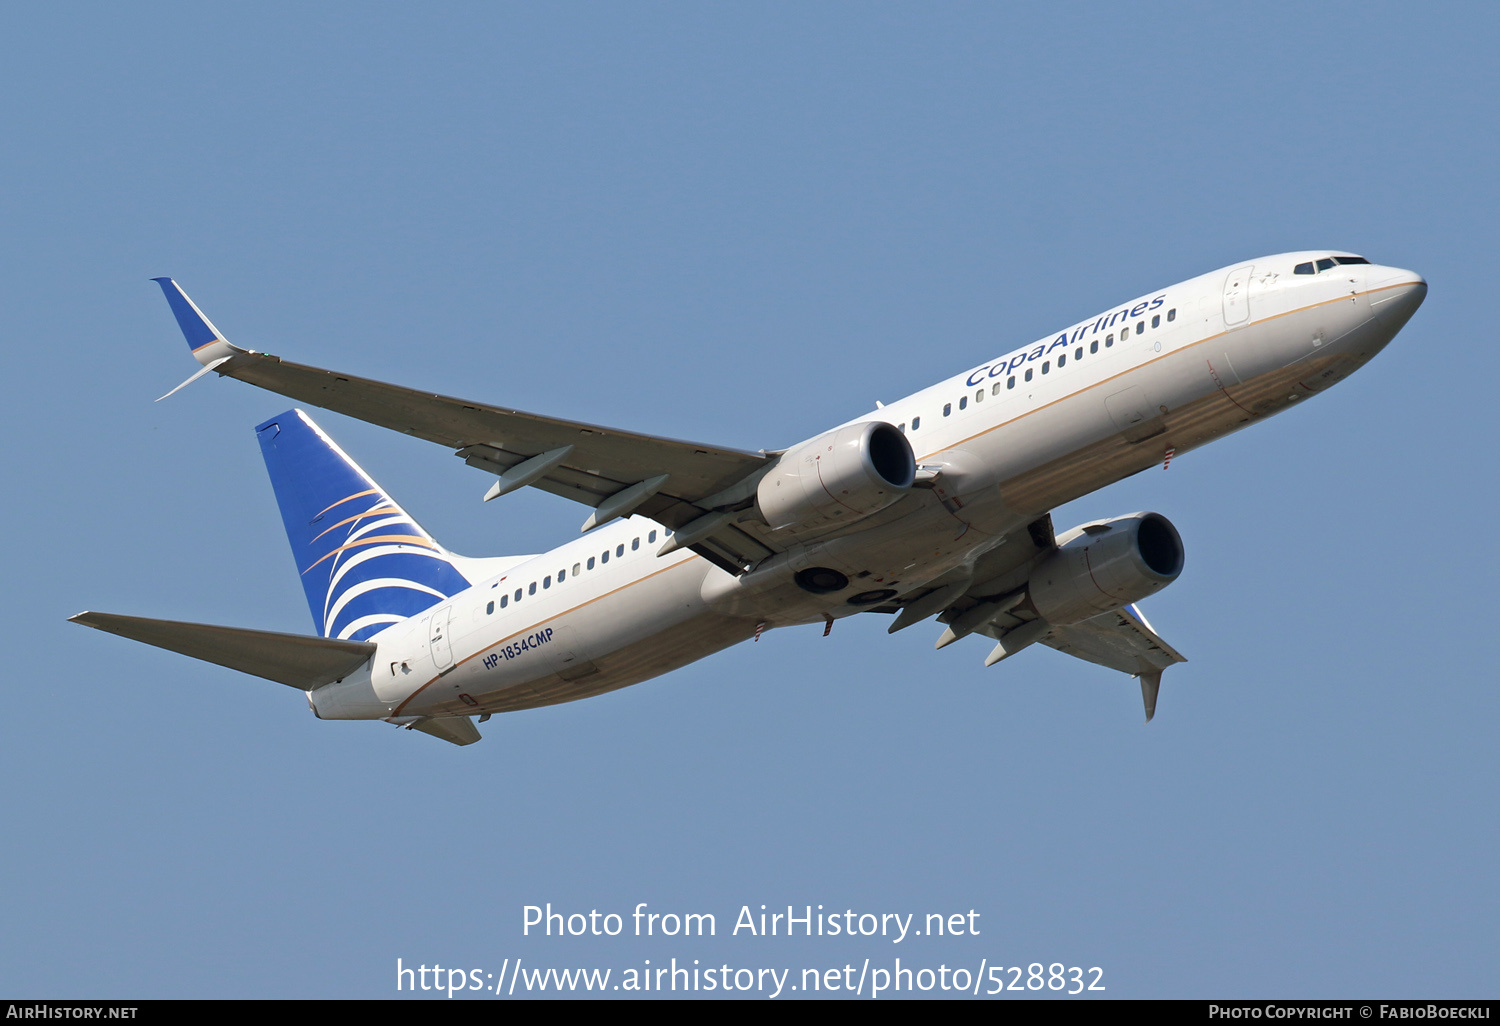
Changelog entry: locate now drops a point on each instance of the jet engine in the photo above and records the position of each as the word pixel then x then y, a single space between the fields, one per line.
pixel 837 478
pixel 1105 565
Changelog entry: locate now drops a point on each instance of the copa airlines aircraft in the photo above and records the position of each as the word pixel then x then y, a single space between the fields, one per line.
pixel 934 506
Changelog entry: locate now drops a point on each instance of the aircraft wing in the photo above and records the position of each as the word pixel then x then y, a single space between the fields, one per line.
pixel 1120 639
pixel 616 472
pixel 988 601
pixel 603 461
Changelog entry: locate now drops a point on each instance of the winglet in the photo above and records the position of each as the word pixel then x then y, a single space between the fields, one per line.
pixel 1150 685
pixel 196 375
pixel 206 341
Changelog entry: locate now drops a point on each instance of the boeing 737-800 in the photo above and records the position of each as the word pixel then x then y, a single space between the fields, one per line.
pixel 934 506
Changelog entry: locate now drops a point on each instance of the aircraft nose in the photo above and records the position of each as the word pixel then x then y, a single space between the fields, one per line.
pixel 1395 292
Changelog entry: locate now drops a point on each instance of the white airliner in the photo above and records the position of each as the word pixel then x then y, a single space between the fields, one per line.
pixel 934 506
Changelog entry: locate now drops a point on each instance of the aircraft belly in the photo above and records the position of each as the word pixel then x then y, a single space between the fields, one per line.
pixel 894 556
pixel 1115 457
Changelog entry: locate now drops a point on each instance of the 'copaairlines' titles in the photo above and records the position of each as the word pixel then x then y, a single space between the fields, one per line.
pixel 1104 322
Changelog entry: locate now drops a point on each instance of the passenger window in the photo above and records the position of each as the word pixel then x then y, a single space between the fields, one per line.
pixel 591 562
pixel 963 402
pixel 1028 373
pixel 1062 360
pixel 518 594
pixel 916 422
pixel 489 608
pixel 604 556
pixel 979 396
pixel 1094 346
pixel 547 581
pixel 947 409
pixel 995 389
pixel 620 550
pixel 1078 353
pixel 901 427
pixel 1124 334
pixel 1046 366
pixel 531 588
pixel 1156 321
pixel 1010 382
pixel 576 569
pixel 1109 340
pixel 1171 315
pixel 635 543
pixel 1140 327
pixel 651 537
pixel 562 575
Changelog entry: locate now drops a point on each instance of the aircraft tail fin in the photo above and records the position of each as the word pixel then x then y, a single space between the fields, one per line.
pixel 365 563
pixel 293 659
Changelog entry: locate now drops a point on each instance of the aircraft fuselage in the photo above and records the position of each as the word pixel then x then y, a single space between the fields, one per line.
pixel 1003 443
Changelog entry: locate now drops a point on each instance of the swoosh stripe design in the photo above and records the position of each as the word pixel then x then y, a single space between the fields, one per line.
pixel 364 562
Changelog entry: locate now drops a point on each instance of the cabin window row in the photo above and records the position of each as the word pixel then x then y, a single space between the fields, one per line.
pixel 1062 361
pixel 562 575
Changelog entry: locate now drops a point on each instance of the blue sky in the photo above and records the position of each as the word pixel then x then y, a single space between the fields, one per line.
pixel 743 224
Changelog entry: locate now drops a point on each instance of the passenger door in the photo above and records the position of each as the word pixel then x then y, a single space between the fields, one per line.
pixel 1237 296
pixel 442 647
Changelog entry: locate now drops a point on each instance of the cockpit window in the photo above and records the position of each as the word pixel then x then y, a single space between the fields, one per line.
pixel 1306 268
pixel 1350 260
pixel 1325 264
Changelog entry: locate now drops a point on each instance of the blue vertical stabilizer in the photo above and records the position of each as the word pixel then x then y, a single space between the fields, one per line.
pixel 365 563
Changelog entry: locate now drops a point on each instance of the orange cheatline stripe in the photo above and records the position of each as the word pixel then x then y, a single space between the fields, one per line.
pixel 404 539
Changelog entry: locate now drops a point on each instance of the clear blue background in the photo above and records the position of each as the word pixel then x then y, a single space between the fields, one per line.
pixel 743 224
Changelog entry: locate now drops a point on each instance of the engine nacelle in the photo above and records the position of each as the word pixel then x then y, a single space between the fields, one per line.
pixel 837 478
pixel 1105 565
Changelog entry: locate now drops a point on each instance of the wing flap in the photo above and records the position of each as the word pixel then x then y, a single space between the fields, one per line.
pixel 297 660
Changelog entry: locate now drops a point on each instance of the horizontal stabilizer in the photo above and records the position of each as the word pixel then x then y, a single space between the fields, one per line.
pixel 458 730
pixel 296 660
